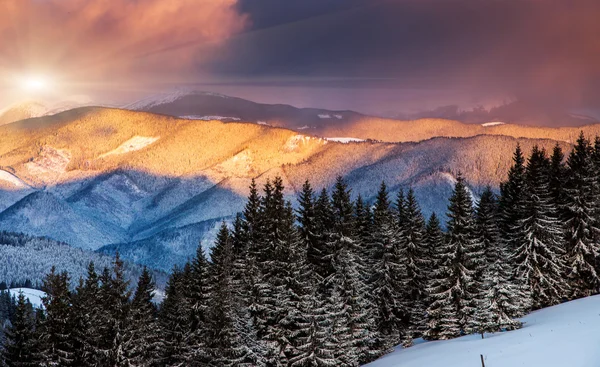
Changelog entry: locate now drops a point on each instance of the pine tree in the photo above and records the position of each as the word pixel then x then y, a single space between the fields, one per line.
pixel 142 335
pixel 319 251
pixel 501 298
pixel 386 285
pixel 539 258
pixel 434 238
pixel 558 179
pixel 317 345
pixel 87 319
pixel 355 324
pixel 416 264
pixel 454 289
pixel 174 321
pixel 57 347
pixel 512 203
pixel 21 345
pixel 581 209
pixel 279 259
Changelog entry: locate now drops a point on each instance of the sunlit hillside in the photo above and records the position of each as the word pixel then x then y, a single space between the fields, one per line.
pixel 389 130
pixel 158 182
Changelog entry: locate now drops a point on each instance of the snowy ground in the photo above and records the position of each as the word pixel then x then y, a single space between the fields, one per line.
pixel 131 145
pixel 34 296
pixel 345 140
pixel 563 335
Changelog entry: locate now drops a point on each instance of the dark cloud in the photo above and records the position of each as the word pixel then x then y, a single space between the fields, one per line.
pixel 543 50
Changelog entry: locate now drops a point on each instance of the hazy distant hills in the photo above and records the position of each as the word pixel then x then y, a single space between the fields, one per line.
pixel 154 186
pixel 513 119
pixel 30 109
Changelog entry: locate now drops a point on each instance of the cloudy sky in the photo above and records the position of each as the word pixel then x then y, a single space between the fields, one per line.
pixel 371 55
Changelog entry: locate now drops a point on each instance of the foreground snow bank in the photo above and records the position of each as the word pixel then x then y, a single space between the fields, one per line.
pixel 563 335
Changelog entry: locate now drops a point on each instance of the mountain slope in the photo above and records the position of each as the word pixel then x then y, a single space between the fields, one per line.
pixel 563 335
pixel 31 258
pixel 95 177
pixel 42 214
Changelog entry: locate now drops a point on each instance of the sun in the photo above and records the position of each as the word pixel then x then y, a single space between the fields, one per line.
pixel 35 83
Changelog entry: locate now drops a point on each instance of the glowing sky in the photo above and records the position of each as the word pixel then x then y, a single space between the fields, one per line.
pixel 373 55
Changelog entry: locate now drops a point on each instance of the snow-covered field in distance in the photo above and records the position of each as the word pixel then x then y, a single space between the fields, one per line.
pixel 33 295
pixel 559 336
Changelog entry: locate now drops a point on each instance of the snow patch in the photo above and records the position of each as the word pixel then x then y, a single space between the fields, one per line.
pixel 209 118
pixel 295 141
pixel 262 123
pixel 493 123
pixel 345 140
pixel 33 295
pixel 304 127
pixel 50 160
pixel 562 335
pixel 131 145
pixel 324 116
pixel 339 117
pixel 452 180
pixel 12 179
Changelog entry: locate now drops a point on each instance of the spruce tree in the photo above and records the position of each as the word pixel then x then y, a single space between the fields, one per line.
pixel 386 285
pixel 416 264
pixel 279 259
pixel 355 314
pixel 539 258
pixel 142 342
pixel 434 238
pixel 174 321
pixel 512 203
pixel 21 345
pixel 87 320
pixel 454 289
pixel 558 179
pixel 501 299
pixel 57 328
pixel 581 210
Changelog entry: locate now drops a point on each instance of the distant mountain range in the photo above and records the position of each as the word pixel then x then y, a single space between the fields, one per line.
pixel 155 186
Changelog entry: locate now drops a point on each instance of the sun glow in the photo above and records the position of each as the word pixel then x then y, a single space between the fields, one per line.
pixel 35 83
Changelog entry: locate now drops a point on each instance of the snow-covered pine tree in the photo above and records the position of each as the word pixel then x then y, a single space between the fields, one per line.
pixel 355 316
pixel 415 266
pixel 582 227
pixel 319 254
pixel 142 341
pixel 194 289
pixel 279 260
pixel 558 179
pixel 501 299
pixel 434 238
pixel 86 320
pixel 56 329
pixel 225 344
pixel 454 289
pixel 386 284
pixel 317 345
pixel 174 321
pixel 114 293
pixel 539 259
pixel 512 203
pixel 21 347
pixel 401 213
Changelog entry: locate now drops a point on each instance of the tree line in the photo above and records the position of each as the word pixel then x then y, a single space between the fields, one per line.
pixel 337 282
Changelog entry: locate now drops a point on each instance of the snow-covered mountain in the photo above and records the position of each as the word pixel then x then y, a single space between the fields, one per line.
pixel 154 186
pixel 214 106
pixel 563 335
